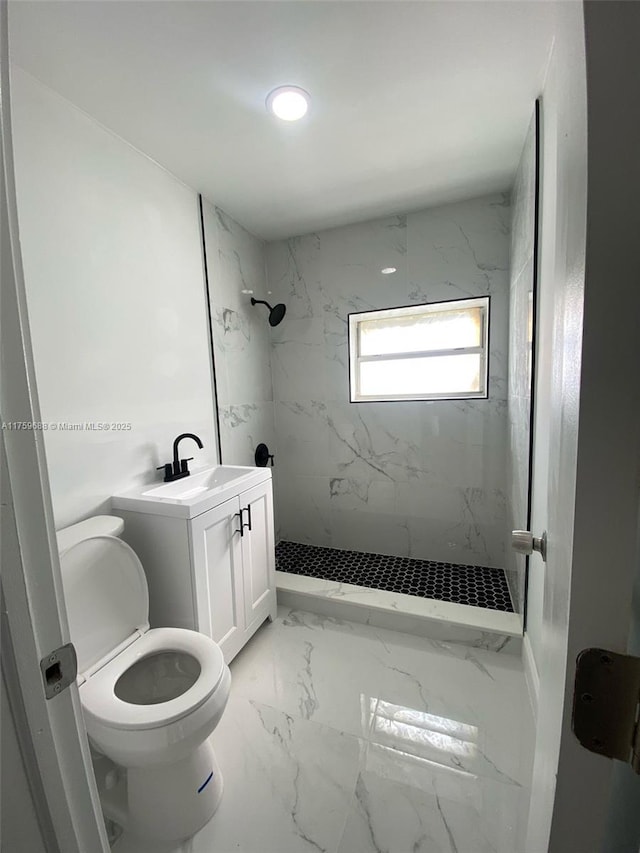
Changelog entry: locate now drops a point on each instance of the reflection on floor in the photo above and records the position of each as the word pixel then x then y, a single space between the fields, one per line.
pixel 344 738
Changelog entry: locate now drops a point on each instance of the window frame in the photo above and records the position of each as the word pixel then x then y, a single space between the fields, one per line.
pixel 355 359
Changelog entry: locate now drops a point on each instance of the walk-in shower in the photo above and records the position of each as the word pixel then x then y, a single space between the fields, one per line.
pixel 414 497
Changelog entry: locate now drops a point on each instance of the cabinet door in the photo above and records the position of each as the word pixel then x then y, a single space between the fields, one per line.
pixel 258 554
pixel 217 566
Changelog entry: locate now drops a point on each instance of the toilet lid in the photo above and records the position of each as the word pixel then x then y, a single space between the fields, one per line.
pixel 106 594
pixel 149 704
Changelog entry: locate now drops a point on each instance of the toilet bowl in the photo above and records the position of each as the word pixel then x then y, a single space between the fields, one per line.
pixel 151 697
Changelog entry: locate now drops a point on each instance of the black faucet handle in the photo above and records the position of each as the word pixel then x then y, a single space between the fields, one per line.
pixel 168 470
pixel 183 464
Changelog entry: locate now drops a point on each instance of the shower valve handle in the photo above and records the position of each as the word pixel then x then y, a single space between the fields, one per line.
pixel 524 542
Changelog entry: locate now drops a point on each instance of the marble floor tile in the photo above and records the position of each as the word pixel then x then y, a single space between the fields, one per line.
pixel 341 737
pixel 314 668
pixel 287 782
pixel 469 687
pixel 460 815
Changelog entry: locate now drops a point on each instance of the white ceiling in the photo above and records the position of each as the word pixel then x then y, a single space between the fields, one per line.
pixel 414 103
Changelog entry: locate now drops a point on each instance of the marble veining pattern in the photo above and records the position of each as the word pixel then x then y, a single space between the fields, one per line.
pixel 419 479
pixel 473 585
pixel 457 624
pixel 424 480
pixel 344 738
pixel 241 342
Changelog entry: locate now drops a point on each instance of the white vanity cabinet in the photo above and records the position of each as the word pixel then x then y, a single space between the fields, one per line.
pixel 232 554
pixel 212 571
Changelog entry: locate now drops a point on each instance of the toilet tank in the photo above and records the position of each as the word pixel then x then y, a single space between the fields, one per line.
pixel 98 525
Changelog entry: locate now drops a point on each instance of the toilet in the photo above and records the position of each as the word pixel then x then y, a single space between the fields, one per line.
pixel 151 697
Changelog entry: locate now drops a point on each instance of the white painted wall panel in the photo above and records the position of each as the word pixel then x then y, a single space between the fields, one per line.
pixel 115 288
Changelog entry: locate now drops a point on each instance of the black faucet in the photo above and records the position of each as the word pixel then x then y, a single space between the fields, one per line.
pixel 179 468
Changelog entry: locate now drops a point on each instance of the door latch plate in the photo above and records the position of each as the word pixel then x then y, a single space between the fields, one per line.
pixel 59 669
pixel 606 704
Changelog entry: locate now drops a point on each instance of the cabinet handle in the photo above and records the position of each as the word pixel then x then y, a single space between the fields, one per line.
pixel 243 524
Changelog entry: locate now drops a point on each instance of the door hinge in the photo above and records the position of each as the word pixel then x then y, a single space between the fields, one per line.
pixel 606 704
pixel 59 669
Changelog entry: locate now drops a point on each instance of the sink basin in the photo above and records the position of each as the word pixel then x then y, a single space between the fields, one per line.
pixel 195 484
pixel 192 495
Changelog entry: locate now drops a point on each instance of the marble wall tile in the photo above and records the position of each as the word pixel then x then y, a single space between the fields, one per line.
pixel 242 428
pixel 463 444
pixel 303 510
pixel 294 275
pixel 379 532
pixel 420 479
pixel 298 360
pixel 302 433
pixel 242 355
pixel 521 286
pixel 235 260
pixel 459 250
pixel 351 262
pixel 347 494
pixel 241 339
pixel 373 440
pixel 454 524
pixel 523 206
pixel 361 457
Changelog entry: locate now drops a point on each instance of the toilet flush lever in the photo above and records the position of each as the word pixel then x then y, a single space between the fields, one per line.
pixel 524 542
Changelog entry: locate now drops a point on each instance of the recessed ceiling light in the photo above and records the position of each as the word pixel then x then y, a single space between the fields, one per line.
pixel 388 270
pixel 289 103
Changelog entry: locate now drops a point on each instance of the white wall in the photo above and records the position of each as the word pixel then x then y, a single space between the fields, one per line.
pixel 421 479
pixel 115 288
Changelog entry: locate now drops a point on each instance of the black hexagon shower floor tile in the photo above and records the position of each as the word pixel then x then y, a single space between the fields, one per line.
pixel 475 585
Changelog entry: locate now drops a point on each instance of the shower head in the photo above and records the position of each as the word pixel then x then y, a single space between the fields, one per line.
pixel 275 314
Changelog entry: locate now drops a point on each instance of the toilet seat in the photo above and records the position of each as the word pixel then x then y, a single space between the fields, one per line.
pixel 100 701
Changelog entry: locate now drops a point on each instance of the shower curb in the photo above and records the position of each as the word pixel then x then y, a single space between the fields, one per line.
pixel 444 621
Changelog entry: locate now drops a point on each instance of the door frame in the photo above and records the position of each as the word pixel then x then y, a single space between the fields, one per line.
pixel 54 744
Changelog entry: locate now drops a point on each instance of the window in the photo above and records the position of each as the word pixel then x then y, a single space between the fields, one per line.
pixel 422 352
